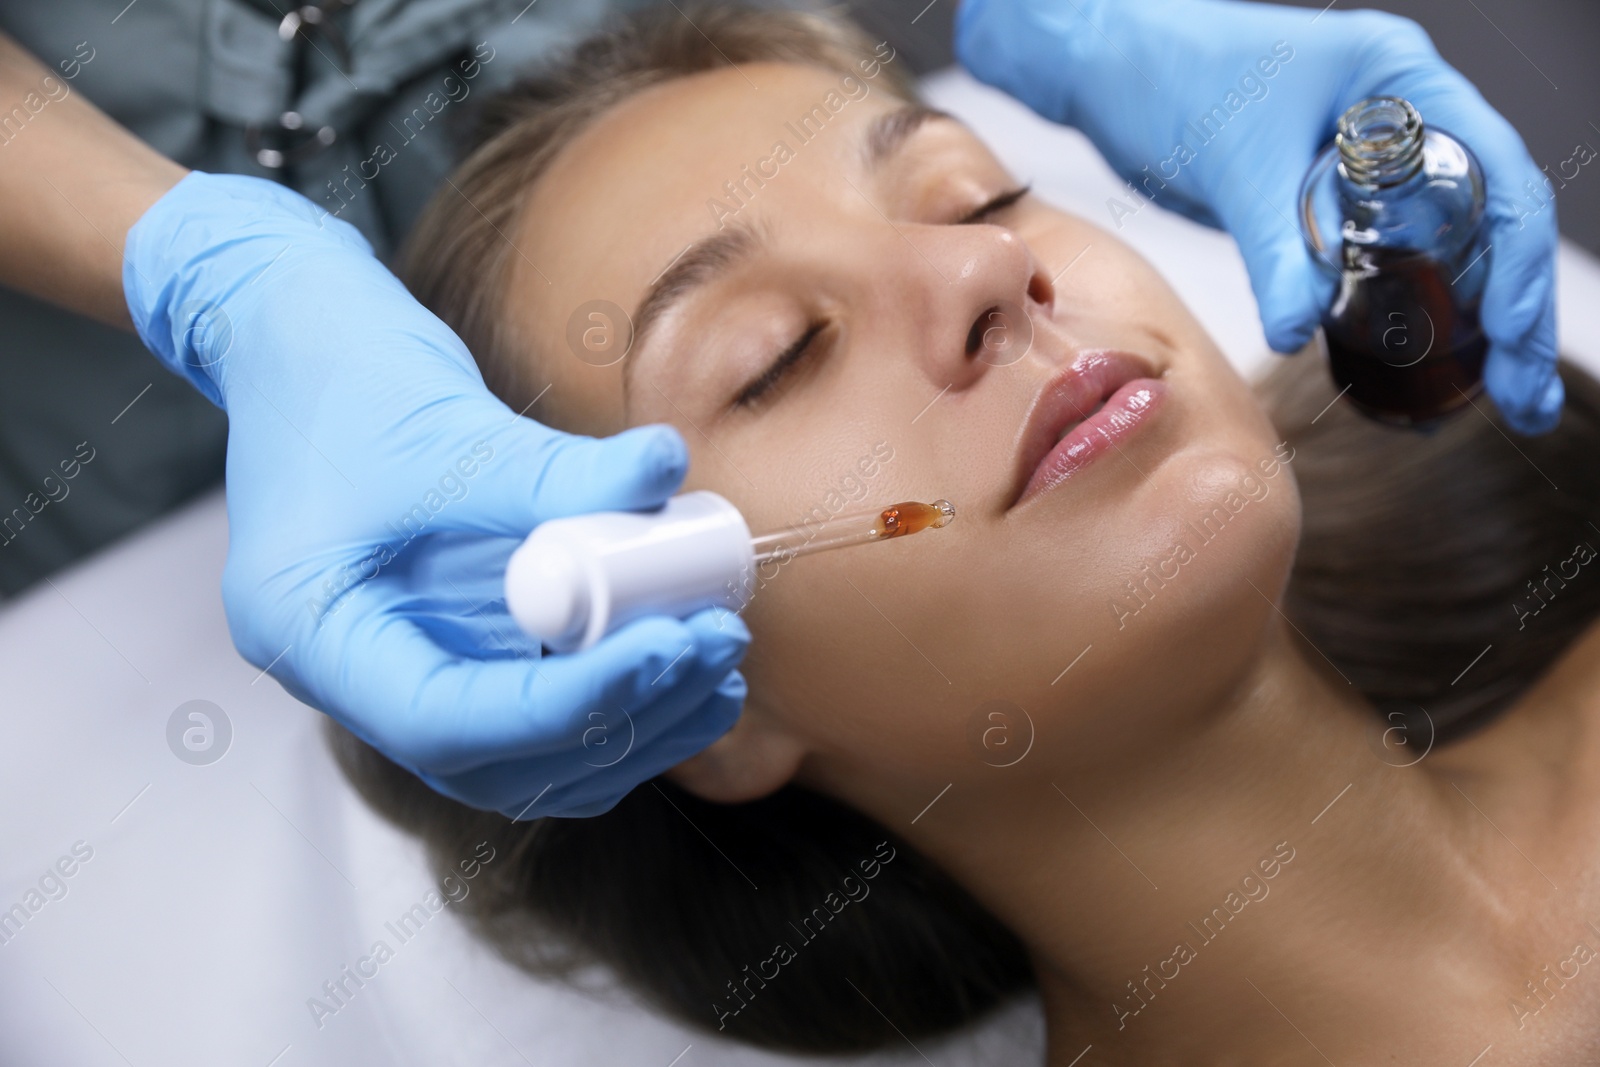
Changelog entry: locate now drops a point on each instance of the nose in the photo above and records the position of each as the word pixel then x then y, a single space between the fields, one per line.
pixel 984 290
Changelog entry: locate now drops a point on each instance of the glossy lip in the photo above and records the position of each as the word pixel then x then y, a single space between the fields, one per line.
pixel 1131 389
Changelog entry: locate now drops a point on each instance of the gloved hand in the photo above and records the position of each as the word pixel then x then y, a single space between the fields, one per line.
pixel 375 490
pixel 1139 76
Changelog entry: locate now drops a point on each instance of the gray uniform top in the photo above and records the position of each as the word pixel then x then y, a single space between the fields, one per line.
pixel 360 114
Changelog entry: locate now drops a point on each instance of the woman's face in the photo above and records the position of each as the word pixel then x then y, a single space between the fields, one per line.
pixel 837 348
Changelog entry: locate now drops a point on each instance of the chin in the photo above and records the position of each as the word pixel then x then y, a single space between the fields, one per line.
pixel 1201 573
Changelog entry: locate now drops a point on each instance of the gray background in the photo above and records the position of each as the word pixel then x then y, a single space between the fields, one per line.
pixel 1534 60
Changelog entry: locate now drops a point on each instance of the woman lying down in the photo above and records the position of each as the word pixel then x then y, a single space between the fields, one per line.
pixel 1242 735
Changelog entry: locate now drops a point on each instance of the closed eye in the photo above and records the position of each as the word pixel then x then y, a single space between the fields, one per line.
pixel 770 377
pixel 993 206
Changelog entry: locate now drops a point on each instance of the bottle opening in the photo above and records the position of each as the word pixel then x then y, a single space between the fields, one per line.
pixel 1380 141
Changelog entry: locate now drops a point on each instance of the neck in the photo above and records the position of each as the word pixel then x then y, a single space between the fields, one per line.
pixel 1253 885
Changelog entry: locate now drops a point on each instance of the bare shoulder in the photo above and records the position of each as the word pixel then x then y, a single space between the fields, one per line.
pixel 1573 682
pixel 1555 724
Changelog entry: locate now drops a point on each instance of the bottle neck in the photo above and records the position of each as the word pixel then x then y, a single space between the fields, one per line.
pixel 1380 143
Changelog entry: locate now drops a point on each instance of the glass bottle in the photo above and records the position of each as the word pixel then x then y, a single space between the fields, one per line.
pixel 1393 210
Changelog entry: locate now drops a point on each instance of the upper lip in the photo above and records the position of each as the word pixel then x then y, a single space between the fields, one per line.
pixel 1066 400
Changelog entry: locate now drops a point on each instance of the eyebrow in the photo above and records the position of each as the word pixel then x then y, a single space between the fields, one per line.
pixel 890 131
pixel 711 257
pixel 695 266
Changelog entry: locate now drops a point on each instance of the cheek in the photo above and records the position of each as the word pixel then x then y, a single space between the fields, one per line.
pixel 866 651
pixel 862 658
pixel 1107 296
pixel 1123 291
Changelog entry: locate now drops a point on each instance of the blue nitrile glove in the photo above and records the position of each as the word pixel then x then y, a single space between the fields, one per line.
pixel 1139 76
pixel 366 464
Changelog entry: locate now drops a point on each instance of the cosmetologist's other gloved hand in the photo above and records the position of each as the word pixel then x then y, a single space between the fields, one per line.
pixel 376 489
pixel 1142 79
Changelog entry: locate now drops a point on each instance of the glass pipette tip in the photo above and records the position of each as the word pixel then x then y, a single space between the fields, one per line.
pixel 854 528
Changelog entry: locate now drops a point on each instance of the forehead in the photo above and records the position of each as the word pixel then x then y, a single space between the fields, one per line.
pixel 642 182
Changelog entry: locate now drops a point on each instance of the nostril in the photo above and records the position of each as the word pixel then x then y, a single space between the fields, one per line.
pixel 1041 290
pixel 977 336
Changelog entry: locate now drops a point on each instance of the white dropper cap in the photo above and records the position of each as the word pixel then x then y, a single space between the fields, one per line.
pixel 576 579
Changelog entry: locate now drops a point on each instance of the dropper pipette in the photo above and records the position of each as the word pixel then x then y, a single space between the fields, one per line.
pixel 576 579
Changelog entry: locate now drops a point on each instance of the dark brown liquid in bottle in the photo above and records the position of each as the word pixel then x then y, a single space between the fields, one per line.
pixel 1408 349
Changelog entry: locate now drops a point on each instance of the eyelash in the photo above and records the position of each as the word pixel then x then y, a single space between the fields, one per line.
pixel 796 351
pixel 994 206
pixel 779 367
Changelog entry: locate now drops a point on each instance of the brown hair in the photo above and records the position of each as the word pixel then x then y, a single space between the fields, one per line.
pixel 1416 547
pixel 1422 552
